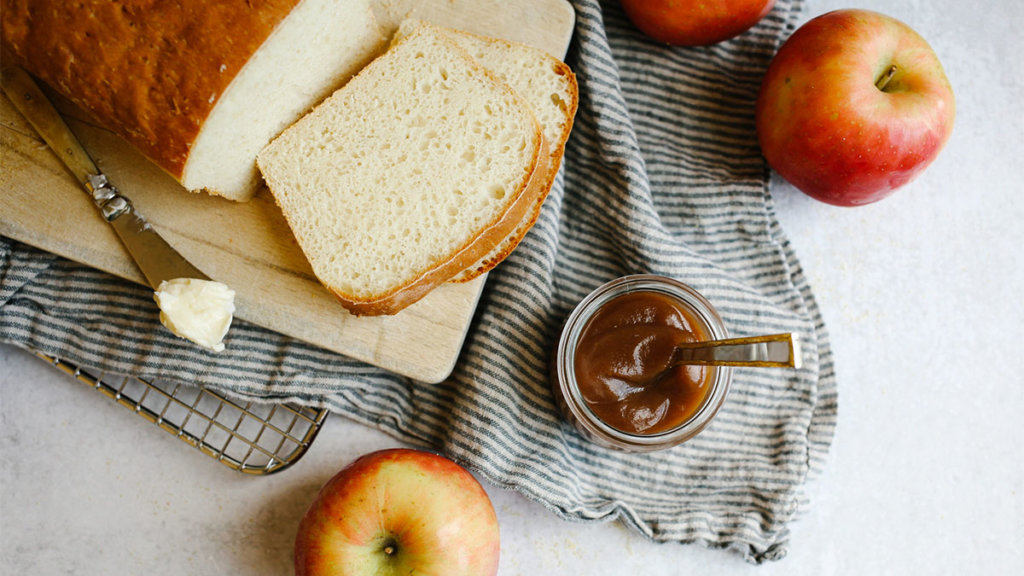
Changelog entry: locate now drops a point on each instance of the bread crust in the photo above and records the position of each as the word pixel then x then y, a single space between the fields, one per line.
pixel 147 70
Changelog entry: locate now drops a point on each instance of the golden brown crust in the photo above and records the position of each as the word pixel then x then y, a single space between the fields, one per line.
pixel 150 71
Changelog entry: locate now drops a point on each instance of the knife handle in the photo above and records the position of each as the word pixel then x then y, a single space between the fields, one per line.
pixel 157 259
pixel 33 104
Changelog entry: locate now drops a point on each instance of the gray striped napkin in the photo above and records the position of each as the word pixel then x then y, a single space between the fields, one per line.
pixel 662 175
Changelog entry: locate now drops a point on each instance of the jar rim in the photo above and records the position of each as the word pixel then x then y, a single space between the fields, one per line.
pixel 565 361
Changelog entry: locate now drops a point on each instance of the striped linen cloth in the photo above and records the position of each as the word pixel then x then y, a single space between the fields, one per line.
pixel 663 175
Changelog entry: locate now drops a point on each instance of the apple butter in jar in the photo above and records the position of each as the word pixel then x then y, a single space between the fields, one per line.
pixel 612 375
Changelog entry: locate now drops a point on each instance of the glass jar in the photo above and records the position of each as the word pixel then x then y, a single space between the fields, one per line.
pixel 566 385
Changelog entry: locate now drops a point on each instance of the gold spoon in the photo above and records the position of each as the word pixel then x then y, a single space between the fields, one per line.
pixel 772 351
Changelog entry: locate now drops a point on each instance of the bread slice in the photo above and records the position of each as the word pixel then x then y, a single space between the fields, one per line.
pixel 548 86
pixel 199 87
pixel 410 173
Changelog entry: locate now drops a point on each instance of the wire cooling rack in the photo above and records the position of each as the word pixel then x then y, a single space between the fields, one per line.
pixel 250 437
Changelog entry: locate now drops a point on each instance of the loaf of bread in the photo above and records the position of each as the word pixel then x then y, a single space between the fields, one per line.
pixel 548 86
pixel 412 172
pixel 198 86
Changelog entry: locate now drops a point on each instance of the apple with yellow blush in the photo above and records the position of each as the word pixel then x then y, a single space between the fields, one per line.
pixel 399 511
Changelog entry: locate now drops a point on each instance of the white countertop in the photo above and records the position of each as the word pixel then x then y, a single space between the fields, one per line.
pixel 923 295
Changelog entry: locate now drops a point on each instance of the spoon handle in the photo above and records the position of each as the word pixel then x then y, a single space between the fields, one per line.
pixel 773 351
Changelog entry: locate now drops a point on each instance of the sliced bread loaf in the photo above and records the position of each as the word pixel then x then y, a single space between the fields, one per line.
pixel 199 87
pixel 409 174
pixel 548 86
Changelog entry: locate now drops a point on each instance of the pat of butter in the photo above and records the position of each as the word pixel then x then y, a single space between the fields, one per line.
pixel 197 310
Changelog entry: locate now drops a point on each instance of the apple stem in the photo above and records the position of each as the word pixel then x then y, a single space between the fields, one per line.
pixel 884 79
pixel 389 550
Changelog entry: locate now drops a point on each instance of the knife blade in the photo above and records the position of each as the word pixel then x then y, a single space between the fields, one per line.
pixel 155 258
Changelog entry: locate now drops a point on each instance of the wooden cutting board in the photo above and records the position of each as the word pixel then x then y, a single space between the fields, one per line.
pixel 248 245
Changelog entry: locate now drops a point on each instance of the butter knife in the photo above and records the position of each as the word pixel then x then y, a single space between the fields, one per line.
pixel 157 260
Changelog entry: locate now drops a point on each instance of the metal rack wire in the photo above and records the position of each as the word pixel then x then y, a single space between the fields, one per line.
pixel 250 437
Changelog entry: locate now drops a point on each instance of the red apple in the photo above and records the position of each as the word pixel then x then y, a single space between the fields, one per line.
pixel 695 22
pixel 854 105
pixel 399 511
